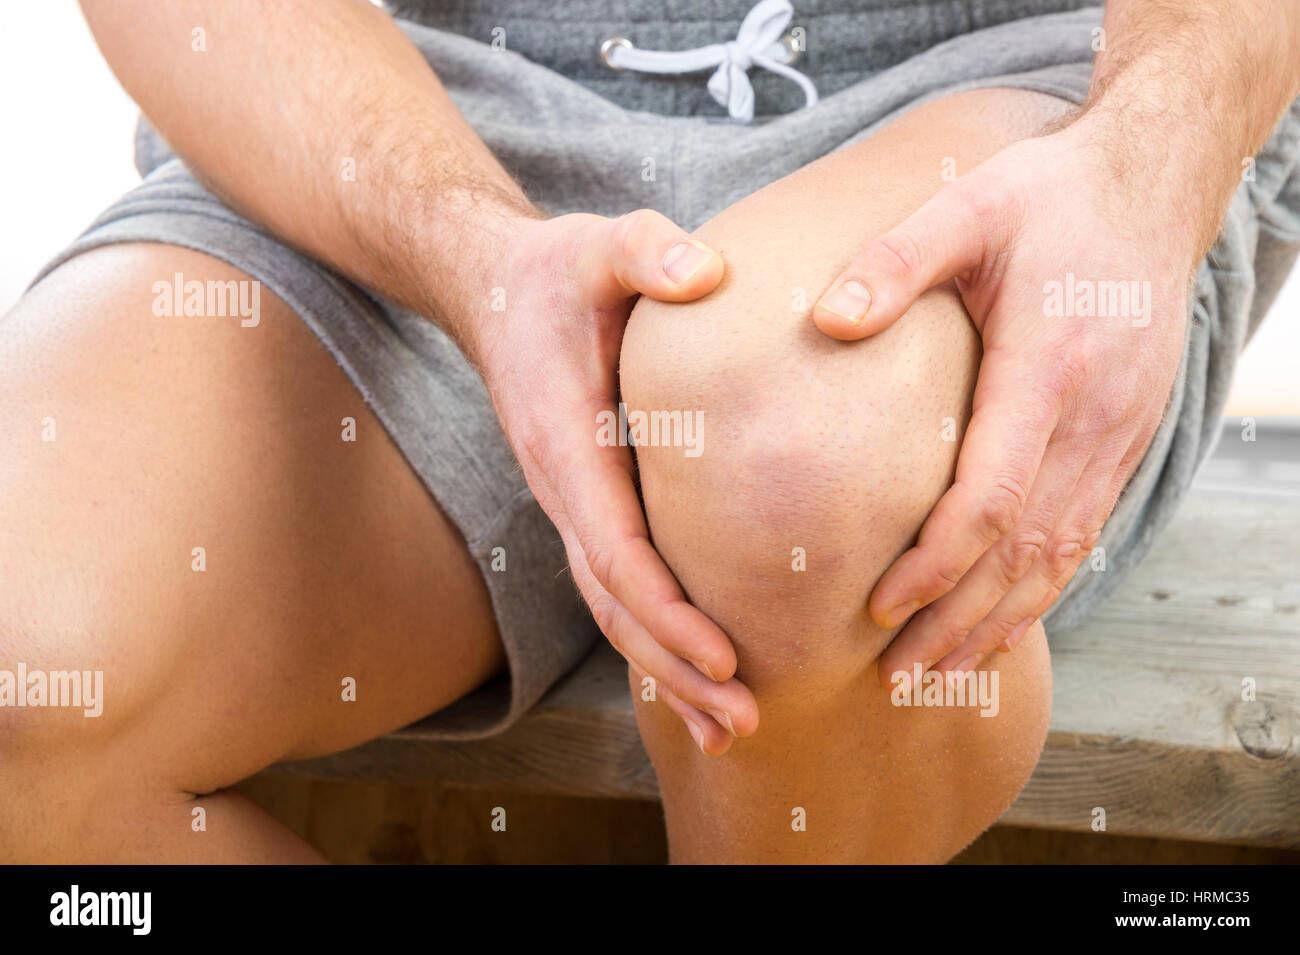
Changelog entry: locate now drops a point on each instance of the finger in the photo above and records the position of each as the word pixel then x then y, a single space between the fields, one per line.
pixel 599 500
pixel 730 704
pixel 945 625
pixel 645 253
pixel 950 235
pixel 711 738
pixel 1065 549
pixel 996 468
pixel 591 496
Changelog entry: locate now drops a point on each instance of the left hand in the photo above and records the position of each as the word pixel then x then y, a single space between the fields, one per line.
pixel 1065 404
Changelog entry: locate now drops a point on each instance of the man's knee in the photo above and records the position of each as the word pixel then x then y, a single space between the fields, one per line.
pixel 816 465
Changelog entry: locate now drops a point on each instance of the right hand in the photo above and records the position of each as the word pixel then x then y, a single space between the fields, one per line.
pixel 550 361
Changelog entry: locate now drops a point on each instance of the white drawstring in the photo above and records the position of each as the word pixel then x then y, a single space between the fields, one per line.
pixel 757 43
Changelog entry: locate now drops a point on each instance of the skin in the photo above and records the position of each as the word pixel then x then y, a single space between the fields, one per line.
pixel 1131 188
pixel 433 222
pixel 838 450
pixel 324 560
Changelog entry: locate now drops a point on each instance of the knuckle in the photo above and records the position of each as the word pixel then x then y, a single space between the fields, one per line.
pixel 949 636
pixel 534 449
pixel 1021 550
pixel 1111 408
pixel 945 578
pixel 1111 412
pixel 1001 505
pixel 642 219
pixel 1063 554
pixel 1007 196
pixel 631 227
pixel 1054 590
pixel 1128 391
pixel 900 252
pixel 536 445
pixel 1070 375
pixel 981 205
pixel 939 633
pixel 1075 360
pixel 996 630
pixel 624 238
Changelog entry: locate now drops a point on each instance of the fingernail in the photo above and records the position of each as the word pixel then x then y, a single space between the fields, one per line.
pixel 966 666
pixel 723 717
pixel 849 300
pixel 1015 636
pixel 704 668
pixel 684 260
pixel 697 733
pixel 901 612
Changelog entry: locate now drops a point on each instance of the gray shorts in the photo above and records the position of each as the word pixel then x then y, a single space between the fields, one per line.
pixel 577 135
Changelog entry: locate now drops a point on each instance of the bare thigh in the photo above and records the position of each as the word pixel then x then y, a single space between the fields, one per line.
pixel 324 563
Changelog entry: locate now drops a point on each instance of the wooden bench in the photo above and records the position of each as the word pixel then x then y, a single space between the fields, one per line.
pixel 1149 719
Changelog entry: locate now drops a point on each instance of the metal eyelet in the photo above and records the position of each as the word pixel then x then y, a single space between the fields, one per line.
pixel 609 46
pixel 792 51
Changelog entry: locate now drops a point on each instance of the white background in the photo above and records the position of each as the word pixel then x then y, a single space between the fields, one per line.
pixel 66 153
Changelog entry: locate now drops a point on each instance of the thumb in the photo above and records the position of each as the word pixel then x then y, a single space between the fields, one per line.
pixel 945 237
pixel 645 253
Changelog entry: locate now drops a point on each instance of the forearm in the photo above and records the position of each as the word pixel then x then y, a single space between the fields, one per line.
pixel 1184 92
pixel 322 122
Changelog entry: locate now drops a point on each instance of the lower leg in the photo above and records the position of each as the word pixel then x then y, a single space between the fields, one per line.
pixel 842 775
pixel 830 455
